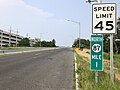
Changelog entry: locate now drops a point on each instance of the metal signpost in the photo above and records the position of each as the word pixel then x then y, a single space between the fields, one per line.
pixel 104 22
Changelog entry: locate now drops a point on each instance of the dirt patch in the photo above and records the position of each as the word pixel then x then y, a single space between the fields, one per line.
pixel 117 76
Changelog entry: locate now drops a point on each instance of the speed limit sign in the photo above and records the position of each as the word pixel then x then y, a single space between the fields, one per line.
pixel 104 18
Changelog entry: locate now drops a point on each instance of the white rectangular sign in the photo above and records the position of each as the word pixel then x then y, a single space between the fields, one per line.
pixel 104 18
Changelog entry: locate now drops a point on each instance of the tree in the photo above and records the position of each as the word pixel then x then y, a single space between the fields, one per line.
pixel 117 36
pixel 48 43
pixel 116 43
pixel 84 42
pixel 37 42
pixel 24 42
pixel 106 43
pixel 76 43
pixel 53 43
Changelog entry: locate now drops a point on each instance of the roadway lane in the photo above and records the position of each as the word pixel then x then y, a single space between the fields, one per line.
pixel 41 70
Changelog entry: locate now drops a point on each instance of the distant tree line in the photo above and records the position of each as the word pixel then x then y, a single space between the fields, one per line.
pixel 106 41
pixel 46 43
pixel 25 42
pixel 84 42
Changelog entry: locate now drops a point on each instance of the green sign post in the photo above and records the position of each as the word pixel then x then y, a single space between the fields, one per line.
pixel 96 46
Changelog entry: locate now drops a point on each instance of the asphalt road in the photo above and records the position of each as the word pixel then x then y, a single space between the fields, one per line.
pixel 41 70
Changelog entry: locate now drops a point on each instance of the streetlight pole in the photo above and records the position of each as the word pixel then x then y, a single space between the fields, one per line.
pixel 79 30
pixel 79 34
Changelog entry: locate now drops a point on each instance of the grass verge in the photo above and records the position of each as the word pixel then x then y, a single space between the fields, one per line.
pixel 116 58
pixel 106 56
pixel 86 78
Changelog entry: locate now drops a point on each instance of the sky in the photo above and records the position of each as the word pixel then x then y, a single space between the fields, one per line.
pixel 47 19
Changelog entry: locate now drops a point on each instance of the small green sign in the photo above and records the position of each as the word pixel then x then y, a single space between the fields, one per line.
pixel 96 46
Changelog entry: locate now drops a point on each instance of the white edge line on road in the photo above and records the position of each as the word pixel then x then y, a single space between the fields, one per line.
pixel 76 75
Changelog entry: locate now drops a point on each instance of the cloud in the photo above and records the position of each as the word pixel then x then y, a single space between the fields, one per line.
pixel 21 5
pixel 32 20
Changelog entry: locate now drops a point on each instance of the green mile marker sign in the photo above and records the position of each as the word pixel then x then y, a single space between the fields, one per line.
pixel 96 46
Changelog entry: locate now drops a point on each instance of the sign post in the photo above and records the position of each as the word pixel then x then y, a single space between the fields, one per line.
pixel 111 58
pixel 104 22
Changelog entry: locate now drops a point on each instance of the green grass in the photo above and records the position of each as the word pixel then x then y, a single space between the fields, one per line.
pixel 87 78
pixel 116 58
pixel 117 61
pixel 106 56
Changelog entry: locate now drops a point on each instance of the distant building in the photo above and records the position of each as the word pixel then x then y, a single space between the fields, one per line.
pixel 9 39
pixel 32 42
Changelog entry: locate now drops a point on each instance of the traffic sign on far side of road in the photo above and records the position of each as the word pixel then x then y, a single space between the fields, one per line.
pixel 96 62
pixel 104 18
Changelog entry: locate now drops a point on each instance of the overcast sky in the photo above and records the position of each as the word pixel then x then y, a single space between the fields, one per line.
pixel 48 18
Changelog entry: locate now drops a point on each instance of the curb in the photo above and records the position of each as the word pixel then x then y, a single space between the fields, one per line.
pixel 26 51
pixel 76 75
